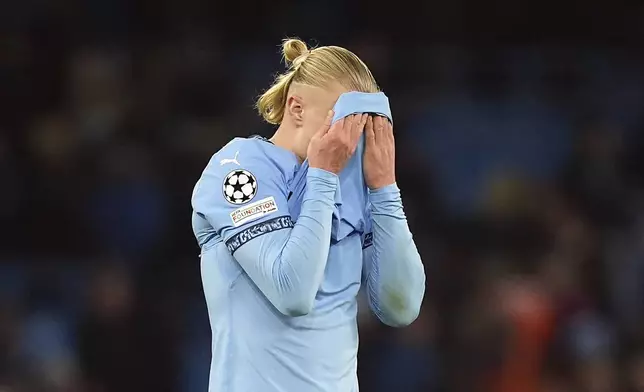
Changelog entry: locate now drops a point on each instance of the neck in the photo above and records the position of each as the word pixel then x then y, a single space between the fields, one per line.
pixel 284 138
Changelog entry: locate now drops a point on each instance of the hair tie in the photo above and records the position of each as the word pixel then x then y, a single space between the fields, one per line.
pixel 300 59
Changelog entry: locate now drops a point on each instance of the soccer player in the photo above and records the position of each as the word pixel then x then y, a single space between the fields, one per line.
pixel 281 292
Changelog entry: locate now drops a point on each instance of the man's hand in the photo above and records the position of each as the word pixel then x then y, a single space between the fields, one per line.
pixel 333 145
pixel 380 153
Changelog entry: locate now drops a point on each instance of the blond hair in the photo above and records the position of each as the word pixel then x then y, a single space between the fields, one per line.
pixel 313 67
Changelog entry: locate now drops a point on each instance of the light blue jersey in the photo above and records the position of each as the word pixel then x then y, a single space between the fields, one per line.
pixel 281 294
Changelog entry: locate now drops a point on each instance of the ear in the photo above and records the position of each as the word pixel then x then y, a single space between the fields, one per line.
pixel 295 108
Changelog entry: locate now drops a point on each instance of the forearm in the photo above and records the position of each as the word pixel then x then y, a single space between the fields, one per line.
pixel 396 277
pixel 288 266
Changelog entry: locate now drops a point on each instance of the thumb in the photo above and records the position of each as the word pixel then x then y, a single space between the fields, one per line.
pixel 326 125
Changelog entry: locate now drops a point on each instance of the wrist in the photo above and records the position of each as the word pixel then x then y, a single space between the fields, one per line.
pixel 385 198
pixel 385 190
pixel 381 183
pixel 333 169
pixel 321 185
pixel 322 175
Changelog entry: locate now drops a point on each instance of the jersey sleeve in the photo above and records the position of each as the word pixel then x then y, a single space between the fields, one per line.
pixel 285 260
pixel 234 198
pixel 393 272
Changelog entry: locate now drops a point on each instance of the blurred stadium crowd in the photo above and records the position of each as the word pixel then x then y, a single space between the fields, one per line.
pixel 520 138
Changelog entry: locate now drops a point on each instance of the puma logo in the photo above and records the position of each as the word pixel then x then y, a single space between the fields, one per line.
pixel 228 160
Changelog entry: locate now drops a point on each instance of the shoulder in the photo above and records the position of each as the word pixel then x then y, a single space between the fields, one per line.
pixel 252 154
pixel 238 169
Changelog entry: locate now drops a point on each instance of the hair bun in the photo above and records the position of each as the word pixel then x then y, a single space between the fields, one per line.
pixel 293 48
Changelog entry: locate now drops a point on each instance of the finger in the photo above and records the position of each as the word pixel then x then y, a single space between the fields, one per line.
pixel 338 125
pixel 328 120
pixel 342 131
pixel 359 128
pixel 389 130
pixel 377 129
pixel 356 131
pixel 384 128
pixel 370 138
pixel 348 123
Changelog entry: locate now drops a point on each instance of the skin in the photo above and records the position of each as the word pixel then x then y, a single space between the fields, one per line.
pixel 307 131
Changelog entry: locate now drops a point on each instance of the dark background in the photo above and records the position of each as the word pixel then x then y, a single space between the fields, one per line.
pixel 520 135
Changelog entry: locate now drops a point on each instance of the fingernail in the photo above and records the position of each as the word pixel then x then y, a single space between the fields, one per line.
pixel 330 113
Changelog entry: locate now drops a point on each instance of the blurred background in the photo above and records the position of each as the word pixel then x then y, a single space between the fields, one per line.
pixel 520 136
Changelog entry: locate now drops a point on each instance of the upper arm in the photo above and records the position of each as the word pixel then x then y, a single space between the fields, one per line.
pixel 256 229
pixel 237 201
